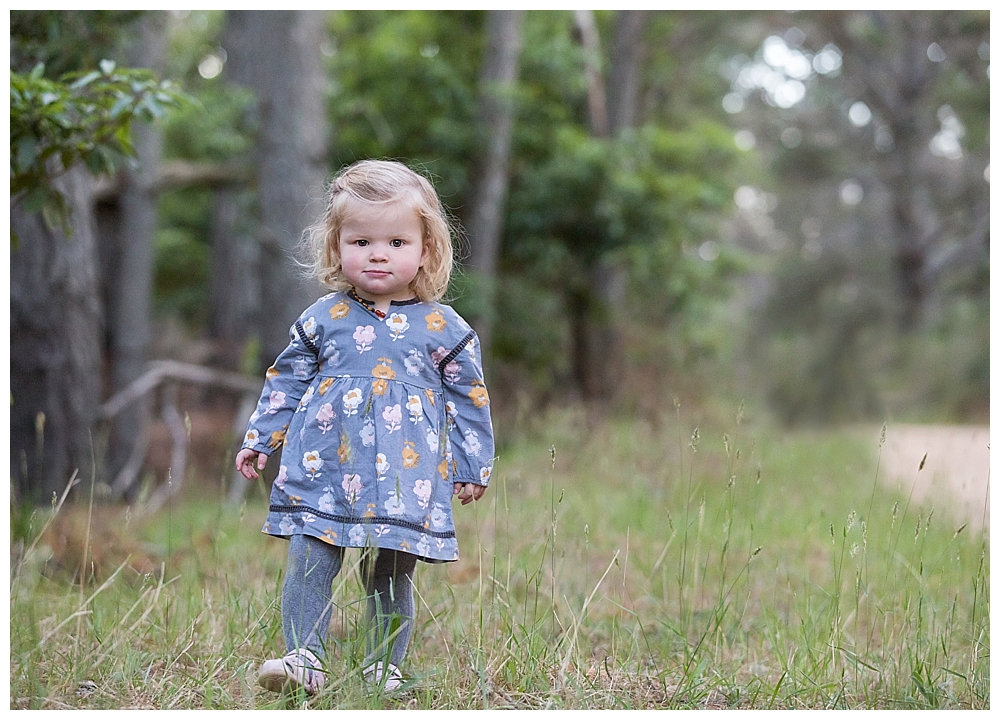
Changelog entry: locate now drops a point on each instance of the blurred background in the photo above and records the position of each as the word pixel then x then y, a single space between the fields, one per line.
pixel 658 209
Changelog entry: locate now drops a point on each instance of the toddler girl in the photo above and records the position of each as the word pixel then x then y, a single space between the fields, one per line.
pixel 380 407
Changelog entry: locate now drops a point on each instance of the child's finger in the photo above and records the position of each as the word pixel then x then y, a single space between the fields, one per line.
pixel 261 461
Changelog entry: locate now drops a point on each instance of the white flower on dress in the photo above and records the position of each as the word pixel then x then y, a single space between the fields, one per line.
pixel 326 500
pixel 301 366
pixel 352 486
pixel 356 535
pixel 471 444
pixel 423 545
pixel 416 408
pixel 438 516
pixel 282 477
pixel 393 416
pixel 312 462
pixel 471 349
pixel 485 473
pixel 394 505
pixel 397 325
pixel 251 437
pixel 364 337
pixel 432 440
pixel 324 417
pixel 352 399
pixel 306 397
pixel 331 352
pixel 286 525
pixel 380 530
pixel 276 401
pixel 381 465
pixel 414 363
pixel 422 489
pixel 310 326
pixel 451 409
pixel 367 432
pixel 308 517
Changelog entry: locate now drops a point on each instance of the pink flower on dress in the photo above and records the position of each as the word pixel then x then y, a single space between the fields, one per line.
pixel 364 336
pixel 352 486
pixel 275 402
pixel 393 416
pixel 324 417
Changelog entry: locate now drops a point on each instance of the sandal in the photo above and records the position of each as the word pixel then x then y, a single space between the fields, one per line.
pixel 386 678
pixel 298 669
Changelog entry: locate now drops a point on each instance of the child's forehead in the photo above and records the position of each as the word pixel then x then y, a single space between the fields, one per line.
pixel 355 206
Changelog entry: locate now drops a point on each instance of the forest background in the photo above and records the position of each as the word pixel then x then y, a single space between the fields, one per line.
pixel 664 214
pixel 791 208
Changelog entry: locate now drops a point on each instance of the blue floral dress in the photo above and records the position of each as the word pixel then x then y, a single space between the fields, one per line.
pixel 377 418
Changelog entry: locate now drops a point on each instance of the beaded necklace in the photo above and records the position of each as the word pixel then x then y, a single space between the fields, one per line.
pixel 371 308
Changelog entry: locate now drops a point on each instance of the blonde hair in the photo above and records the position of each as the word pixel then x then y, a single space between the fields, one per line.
pixel 382 181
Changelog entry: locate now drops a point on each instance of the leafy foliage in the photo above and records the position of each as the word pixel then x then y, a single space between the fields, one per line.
pixel 84 117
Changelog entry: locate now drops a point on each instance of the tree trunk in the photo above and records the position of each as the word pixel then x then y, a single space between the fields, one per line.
pixel 627 54
pixel 130 282
pixel 55 358
pixel 898 91
pixel 288 79
pixel 495 121
pixel 598 342
pixel 235 273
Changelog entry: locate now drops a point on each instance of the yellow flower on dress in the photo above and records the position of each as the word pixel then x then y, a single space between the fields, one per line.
pixel 294 499
pixel 272 372
pixel 329 534
pixel 344 451
pixel 369 511
pixel 435 321
pixel 340 310
pixel 480 398
pixel 410 455
pixel 443 469
pixel 382 370
pixel 404 545
pixel 277 439
pixel 325 385
pixel 430 396
pixel 383 373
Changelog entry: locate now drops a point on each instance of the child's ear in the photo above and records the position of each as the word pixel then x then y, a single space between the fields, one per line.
pixel 425 252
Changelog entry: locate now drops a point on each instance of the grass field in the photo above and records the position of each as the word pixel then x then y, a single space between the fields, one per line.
pixel 611 565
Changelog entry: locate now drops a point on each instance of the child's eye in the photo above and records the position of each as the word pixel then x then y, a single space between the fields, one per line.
pixel 362 242
pixel 396 243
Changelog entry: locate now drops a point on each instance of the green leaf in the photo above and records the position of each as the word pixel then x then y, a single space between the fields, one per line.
pixel 85 80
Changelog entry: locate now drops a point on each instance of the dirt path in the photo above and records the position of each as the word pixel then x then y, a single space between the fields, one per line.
pixel 956 473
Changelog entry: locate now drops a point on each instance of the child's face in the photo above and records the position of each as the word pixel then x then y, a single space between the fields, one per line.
pixel 381 249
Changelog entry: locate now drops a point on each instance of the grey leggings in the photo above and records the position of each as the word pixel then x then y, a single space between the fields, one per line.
pixel 307 598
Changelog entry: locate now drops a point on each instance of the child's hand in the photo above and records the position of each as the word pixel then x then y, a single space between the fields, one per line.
pixel 467 492
pixel 245 464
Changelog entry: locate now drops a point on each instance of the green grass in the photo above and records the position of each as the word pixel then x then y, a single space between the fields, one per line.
pixel 611 565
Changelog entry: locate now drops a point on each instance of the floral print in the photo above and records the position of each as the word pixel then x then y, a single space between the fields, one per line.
pixel 364 336
pixel 324 418
pixel 378 442
pixel 340 310
pixel 352 398
pixel 435 321
pixel 397 326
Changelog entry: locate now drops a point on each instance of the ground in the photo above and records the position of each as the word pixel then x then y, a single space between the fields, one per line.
pixel 955 474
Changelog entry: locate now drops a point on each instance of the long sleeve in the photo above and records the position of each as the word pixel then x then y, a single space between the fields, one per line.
pixel 467 404
pixel 287 383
